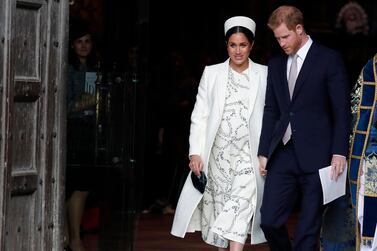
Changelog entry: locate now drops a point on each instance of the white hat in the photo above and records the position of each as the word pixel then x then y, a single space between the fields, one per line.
pixel 246 22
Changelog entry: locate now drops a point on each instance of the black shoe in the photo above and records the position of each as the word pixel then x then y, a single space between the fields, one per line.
pixel 68 248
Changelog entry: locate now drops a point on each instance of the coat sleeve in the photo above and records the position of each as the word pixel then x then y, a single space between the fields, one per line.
pixel 199 117
pixel 270 116
pixel 339 93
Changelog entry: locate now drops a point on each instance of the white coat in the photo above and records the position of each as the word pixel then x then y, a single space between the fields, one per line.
pixel 205 121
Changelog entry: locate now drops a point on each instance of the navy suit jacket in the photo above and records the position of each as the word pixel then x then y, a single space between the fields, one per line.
pixel 319 111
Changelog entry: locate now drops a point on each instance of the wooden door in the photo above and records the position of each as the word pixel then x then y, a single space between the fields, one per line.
pixel 33 47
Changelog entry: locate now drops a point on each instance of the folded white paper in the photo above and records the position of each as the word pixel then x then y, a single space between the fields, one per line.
pixel 332 189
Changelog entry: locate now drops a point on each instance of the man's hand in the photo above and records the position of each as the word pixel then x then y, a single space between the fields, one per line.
pixel 196 164
pixel 262 165
pixel 338 164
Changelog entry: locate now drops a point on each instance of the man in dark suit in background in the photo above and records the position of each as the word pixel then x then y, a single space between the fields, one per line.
pixel 305 127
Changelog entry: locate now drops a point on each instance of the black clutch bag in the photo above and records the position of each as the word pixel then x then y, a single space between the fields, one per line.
pixel 199 182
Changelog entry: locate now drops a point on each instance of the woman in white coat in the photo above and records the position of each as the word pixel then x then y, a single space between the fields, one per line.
pixel 224 137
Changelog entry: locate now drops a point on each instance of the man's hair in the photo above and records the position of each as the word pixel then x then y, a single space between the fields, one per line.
pixel 289 15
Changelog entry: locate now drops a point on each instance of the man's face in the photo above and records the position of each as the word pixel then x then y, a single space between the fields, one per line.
pixel 289 40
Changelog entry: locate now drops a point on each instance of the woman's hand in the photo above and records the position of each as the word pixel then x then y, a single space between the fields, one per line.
pixel 262 165
pixel 196 164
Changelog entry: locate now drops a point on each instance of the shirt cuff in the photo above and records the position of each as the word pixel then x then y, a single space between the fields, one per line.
pixel 339 155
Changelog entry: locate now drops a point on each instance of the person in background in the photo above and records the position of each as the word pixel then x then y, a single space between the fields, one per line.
pixel 80 177
pixel 305 127
pixel 338 226
pixel 363 157
pixel 224 133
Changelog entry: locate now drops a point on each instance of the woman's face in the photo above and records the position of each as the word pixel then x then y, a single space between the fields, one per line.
pixel 239 48
pixel 83 46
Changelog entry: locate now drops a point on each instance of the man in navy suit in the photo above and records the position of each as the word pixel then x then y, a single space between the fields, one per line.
pixel 305 127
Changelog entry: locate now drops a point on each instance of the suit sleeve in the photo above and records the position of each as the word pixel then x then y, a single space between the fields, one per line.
pixel 270 116
pixel 339 93
pixel 199 118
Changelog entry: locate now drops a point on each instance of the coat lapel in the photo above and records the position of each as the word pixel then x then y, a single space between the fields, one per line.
pixel 254 85
pixel 221 81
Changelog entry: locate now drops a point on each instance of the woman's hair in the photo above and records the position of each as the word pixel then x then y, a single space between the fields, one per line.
pixel 74 60
pixel 77 29
pixel 289 15
pixel 239 29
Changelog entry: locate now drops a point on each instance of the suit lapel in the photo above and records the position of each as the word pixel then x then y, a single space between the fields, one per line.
pixel 305 70
pixel 283 77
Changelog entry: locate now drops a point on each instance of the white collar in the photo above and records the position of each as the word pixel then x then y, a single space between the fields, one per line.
pixel 303 51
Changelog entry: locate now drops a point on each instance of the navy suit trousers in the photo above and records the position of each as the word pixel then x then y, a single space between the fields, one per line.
pixel 285 183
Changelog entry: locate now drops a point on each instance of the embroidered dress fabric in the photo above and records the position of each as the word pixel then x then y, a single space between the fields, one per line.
pixel 227 201
pixel 372 245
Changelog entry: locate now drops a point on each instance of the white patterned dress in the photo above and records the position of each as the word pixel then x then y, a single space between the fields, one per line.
pixel 227 201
